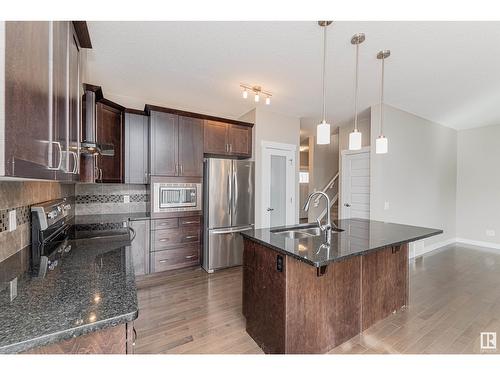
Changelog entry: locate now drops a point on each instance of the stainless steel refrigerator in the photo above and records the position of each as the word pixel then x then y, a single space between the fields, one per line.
pixel 228 208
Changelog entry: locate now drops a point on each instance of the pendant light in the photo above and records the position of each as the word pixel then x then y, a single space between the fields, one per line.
pixel 323 129
pixel 355 135
pixel 381 144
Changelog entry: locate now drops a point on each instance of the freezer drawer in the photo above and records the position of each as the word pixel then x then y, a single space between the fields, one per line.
pixel 225 248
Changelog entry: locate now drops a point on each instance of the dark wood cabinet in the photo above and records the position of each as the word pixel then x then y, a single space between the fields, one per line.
pixel 110 131
pixel 216 138
pixel 190 147
pixel 240 140
pixel 175 243
pixel 176 145
pixel 163 140
pixel 136 149
pixel 140 246
pixel 28 147
pixel 42 120
pixel 225 139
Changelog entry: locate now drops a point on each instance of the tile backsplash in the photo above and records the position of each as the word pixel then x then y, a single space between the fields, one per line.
pixel 94 199
pixel 20 196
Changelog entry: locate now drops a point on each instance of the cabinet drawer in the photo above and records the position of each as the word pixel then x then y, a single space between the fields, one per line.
pixel 186 256
pixel 168 238
pixel 164 223
pixel 189 221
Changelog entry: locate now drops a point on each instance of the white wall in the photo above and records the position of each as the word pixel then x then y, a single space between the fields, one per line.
pixel 478 184
pixel 272 127
pixel 418 176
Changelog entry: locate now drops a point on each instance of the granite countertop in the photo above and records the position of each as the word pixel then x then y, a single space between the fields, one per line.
pixel 358 236
pixel 92 287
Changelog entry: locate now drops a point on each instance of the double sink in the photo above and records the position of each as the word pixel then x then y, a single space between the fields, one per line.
pixel 302 231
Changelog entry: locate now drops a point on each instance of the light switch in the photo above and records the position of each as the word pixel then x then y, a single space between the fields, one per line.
pixel 490 232
pixel 126 198
pixel 386 205
pixel 12 220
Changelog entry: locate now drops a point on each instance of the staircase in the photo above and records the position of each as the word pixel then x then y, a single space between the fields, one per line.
pixel 332 190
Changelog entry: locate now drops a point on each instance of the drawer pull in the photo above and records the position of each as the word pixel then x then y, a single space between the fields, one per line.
pixel 164 239
pixel 190 237
pixel 191 222
pixel 164 261
pixel 190 256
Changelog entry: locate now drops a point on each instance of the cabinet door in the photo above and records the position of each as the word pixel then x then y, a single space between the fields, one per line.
pixel 27 100
pixel 60 101
pixel 109 131
pixel 240 140
pixel 190 147
pixel 164 129
pixel 136 149
pixel 215 138
pixel 74 106
pixel 140 246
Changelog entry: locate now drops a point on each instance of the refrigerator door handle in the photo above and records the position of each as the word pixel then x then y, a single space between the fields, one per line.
pixel 231 230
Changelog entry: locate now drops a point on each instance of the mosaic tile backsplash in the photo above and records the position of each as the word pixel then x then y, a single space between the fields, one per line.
pixel 20 196
pixel 95 199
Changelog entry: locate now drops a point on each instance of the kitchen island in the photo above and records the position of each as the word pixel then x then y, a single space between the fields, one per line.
pixel 302 296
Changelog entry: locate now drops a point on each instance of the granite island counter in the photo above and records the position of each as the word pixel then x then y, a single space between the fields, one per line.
pixel 302 296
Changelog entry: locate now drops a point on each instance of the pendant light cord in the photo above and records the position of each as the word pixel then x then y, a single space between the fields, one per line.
pixel 356 90
pixel 324 73
pixel 382 99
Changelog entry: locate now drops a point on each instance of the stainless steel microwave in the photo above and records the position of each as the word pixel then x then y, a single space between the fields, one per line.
pixel 175 197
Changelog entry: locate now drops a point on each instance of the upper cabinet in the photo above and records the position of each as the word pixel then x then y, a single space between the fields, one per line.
pixel 40 136
pixel 136 148
pixel 110 131
pixel 227 139
pixel 176 145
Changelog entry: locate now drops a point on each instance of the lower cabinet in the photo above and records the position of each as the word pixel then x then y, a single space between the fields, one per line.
pixel 114 340
pixel 175 243
pixel 140 246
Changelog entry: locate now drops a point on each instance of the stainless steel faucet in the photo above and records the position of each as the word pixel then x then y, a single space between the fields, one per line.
pixel 327 228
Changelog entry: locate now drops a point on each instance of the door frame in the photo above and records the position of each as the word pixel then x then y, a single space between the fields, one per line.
pixel 344 156
pixel 290 151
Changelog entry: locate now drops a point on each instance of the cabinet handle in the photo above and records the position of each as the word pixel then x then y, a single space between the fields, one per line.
pixel 100 174
pixel 190 256
pixel 75 166
pixel 164 261
pixel 190 222
pixel 164 239
pixel 58 144
pixel 135 337
pixel 190 237
pixel 177 169
pixel 230 147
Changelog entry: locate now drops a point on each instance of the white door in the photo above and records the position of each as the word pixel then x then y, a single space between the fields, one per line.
pixel 355 199
pixel 278 184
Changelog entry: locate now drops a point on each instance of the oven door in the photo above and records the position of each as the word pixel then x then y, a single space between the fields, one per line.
pixel 176 197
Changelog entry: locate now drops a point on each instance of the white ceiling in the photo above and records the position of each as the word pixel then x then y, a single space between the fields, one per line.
pixel 447 72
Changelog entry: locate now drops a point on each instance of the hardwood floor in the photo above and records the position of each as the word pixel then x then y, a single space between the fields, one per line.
pixel 453 297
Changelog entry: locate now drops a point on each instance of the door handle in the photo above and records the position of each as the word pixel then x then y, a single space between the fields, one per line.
pixel 347 205
pixel 270 209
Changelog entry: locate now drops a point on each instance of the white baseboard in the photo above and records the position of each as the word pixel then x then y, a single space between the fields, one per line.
pixel 421 250
pixel 490 245
pixel 416 250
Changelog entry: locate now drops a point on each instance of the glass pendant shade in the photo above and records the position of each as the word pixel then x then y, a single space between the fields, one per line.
pixel 323 133
pixel 355 140
pixel 381 145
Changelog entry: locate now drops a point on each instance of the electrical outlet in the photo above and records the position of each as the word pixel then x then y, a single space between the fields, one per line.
pixel 490 232
pixel 12 220
pixel 126 199
pixel 386 205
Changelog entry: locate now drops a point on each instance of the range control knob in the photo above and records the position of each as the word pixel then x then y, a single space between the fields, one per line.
pixel 52 214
